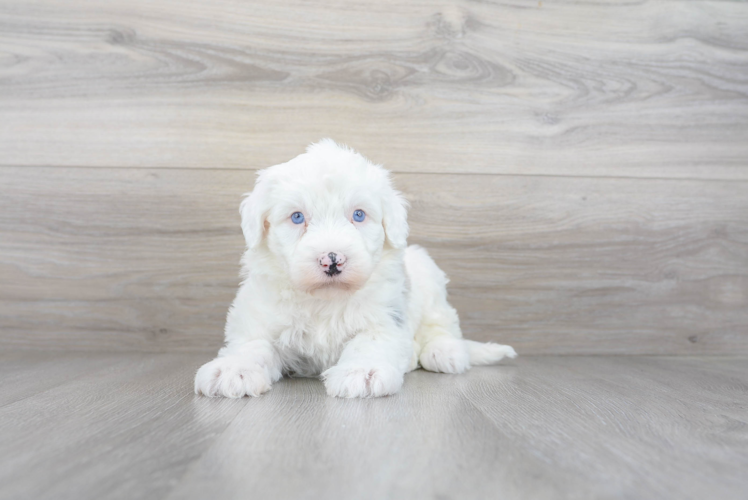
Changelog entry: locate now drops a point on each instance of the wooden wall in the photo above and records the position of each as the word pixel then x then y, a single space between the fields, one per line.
pixel 579 169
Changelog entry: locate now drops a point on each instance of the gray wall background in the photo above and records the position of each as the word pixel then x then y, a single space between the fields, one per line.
pixel 580 170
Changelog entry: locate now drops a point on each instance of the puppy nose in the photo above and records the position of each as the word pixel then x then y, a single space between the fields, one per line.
pixel 332 263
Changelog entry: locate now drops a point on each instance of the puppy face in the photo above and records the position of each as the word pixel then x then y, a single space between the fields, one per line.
pixel 326 217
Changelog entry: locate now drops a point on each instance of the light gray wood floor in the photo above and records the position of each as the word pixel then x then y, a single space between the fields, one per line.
pixel 127 425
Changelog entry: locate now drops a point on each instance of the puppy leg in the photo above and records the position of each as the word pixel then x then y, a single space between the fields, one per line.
pixel 246 370
pixel 442 352
pixel 371 366
pixel 442 347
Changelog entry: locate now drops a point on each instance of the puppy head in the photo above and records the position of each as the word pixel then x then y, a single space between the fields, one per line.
pixel 326 217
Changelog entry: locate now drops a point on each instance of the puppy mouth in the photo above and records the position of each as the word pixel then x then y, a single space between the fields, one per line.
pixel 333 270
pixel 334 278
pixel 332 282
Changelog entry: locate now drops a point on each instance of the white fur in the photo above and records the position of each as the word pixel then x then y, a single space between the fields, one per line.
pixel 360 330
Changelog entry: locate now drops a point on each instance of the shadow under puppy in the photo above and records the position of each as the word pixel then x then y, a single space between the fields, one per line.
pixel 330 287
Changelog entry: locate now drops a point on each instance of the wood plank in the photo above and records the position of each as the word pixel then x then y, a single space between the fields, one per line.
pixel 148 259
pixel 651 89
pixel 118 259
pixel 129 431
pixel 559 265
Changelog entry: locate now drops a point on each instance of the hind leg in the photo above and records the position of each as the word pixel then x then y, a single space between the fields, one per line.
pixel 442 352
pixel 437 331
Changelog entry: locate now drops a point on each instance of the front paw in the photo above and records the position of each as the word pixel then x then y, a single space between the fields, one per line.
pixel 232 377
pixel 359 382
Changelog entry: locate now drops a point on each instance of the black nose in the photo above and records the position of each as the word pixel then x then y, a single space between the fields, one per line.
pixel 333 269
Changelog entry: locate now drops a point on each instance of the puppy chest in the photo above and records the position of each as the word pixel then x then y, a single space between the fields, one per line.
pixel 313 337
pixel 310 347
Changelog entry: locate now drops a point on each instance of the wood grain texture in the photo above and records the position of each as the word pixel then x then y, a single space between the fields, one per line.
pixel 643 89
pixel 147 259
pixel 429 441
pixel 125 431
pixel 605 417
pixel 20 371
pixel 594 427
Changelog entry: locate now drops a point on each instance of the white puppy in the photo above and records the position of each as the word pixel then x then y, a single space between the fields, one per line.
pixel 330 288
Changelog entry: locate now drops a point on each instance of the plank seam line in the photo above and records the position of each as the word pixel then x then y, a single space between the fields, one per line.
pixel 55 386
pixel 401 172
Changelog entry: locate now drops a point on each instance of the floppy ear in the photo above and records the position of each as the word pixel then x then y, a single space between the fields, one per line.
pixel 395 219
pixel 254 210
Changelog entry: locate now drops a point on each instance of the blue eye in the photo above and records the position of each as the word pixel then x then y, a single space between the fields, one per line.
pixel 297 217
pixel 359 215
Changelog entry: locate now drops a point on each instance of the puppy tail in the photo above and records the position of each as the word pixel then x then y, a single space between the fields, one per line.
pixel 488 353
